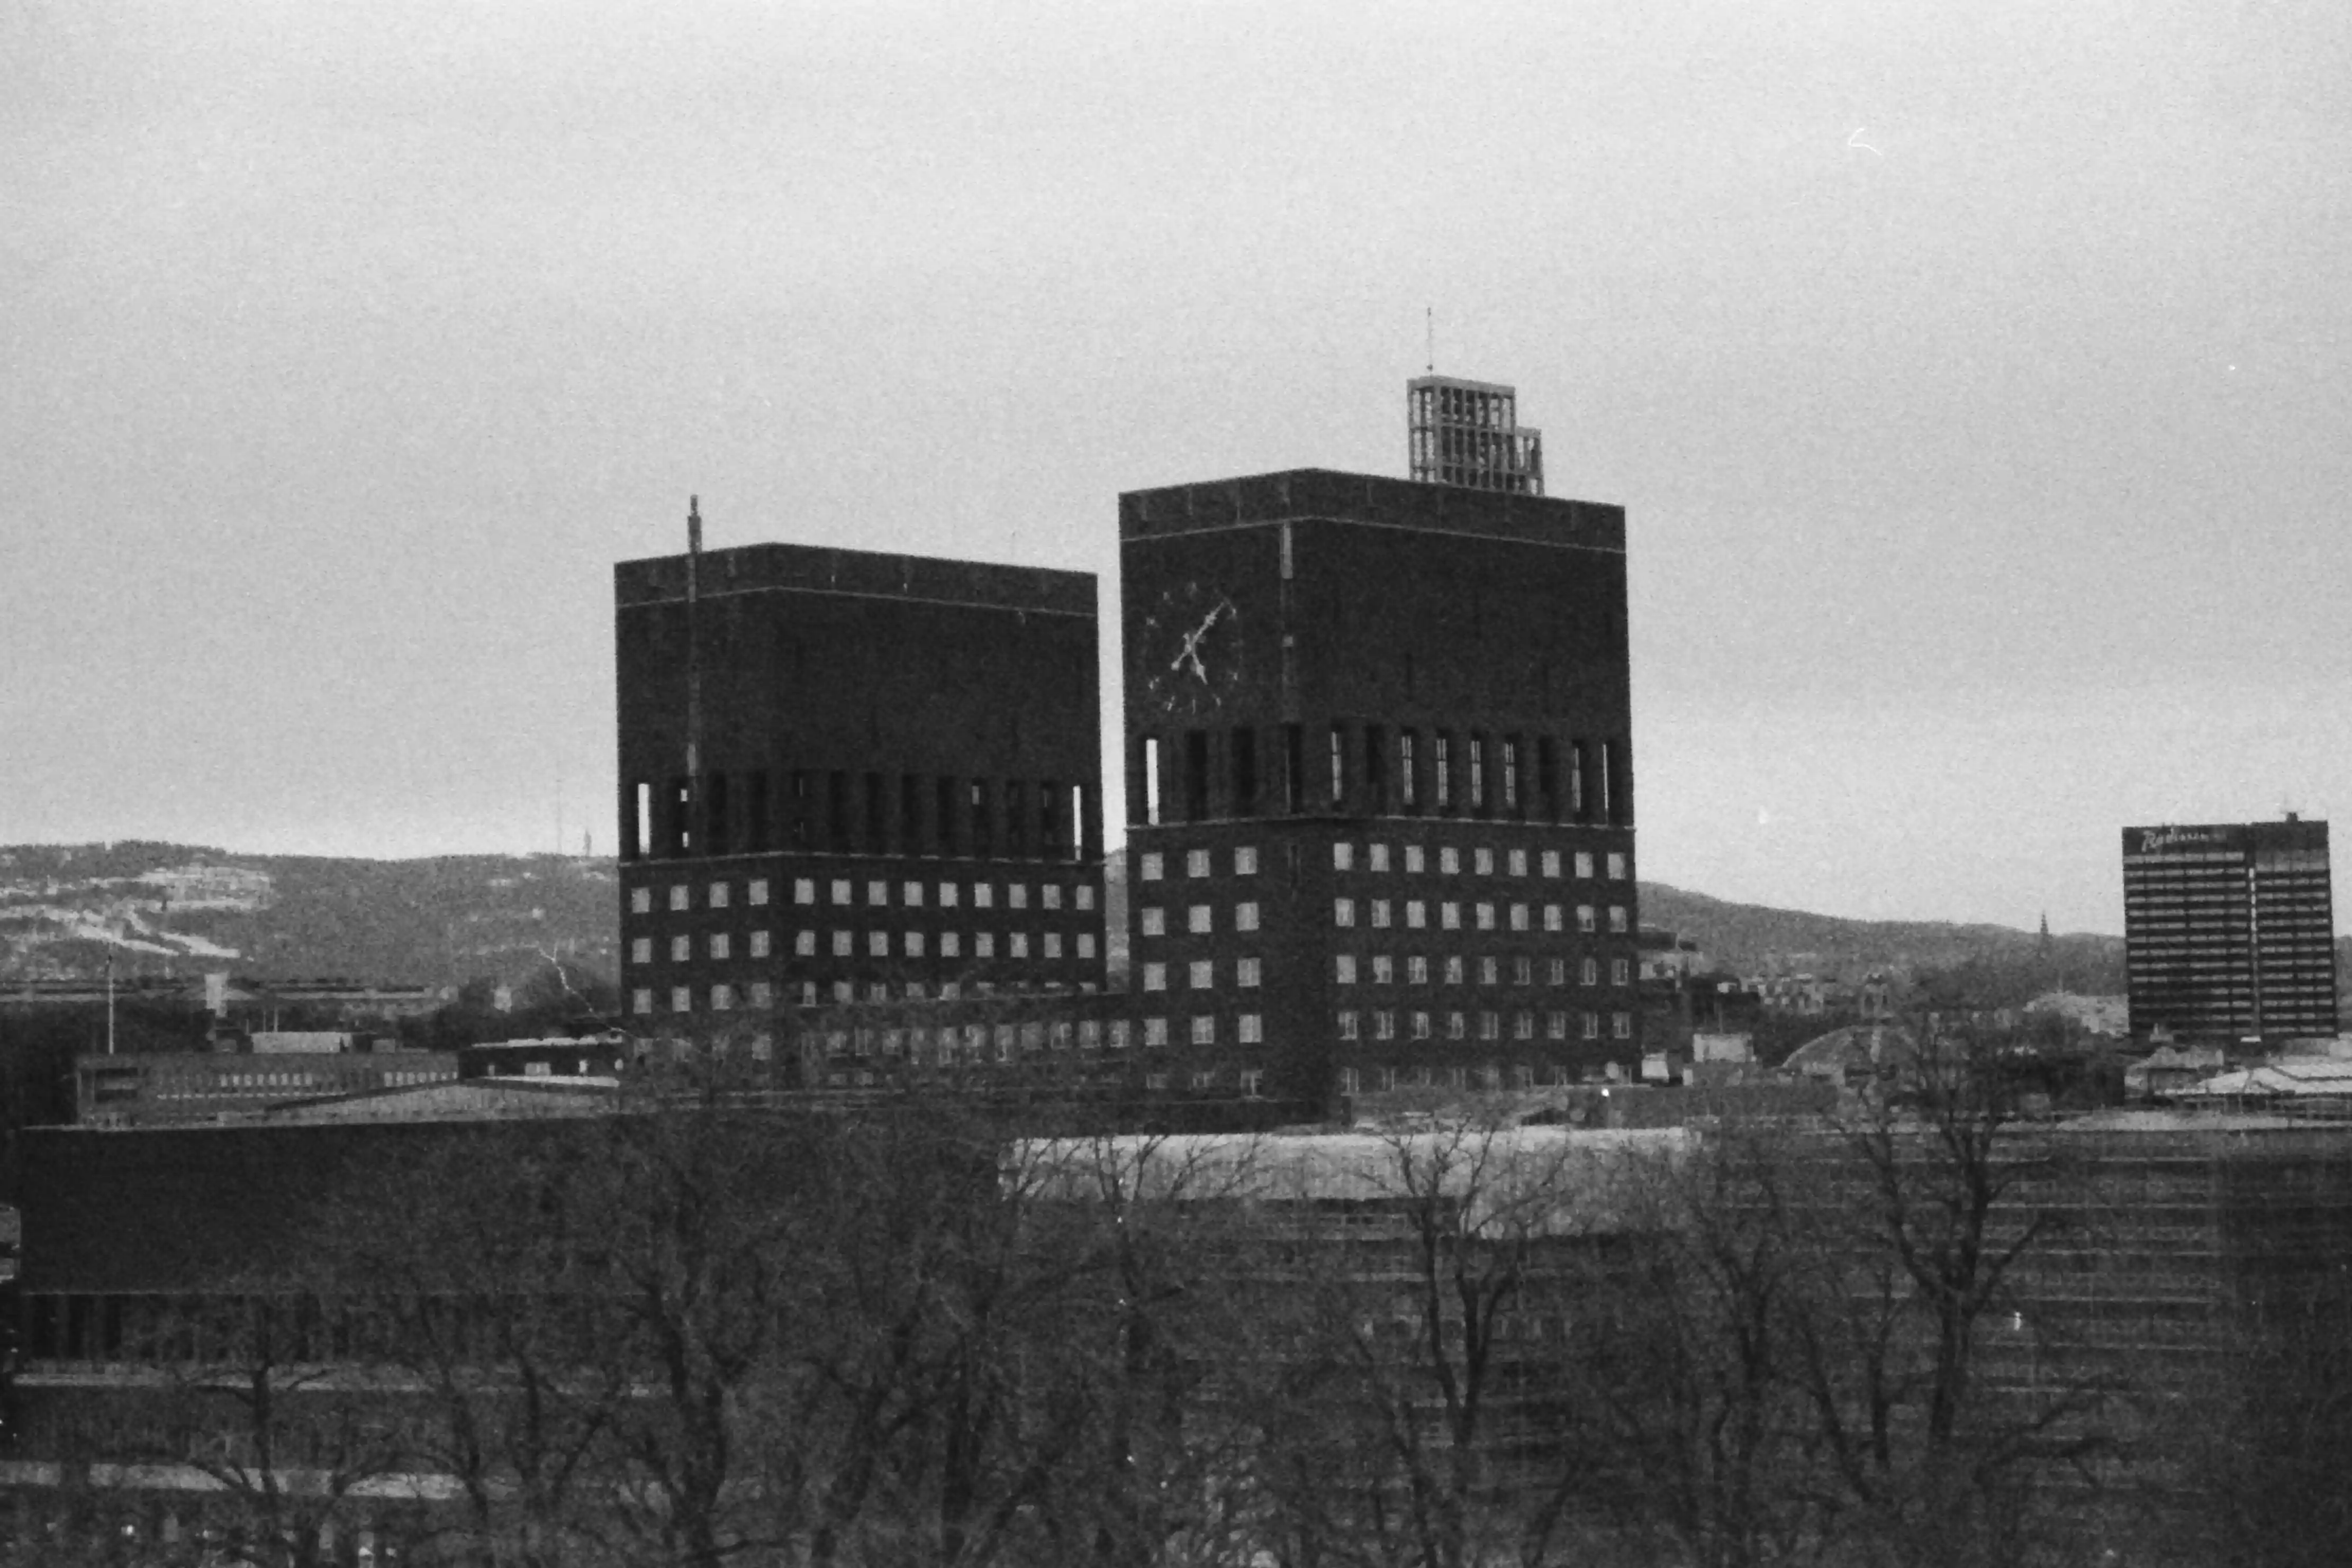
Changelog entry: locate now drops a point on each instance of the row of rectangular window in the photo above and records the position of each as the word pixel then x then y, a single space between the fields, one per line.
pixel 762 994
pixel 719 944
pixel 1370 768
pixel 1200 974
pixel 1483 915
pixel 912 894
pixel 1201 920
pixel 852 814
pixel 1152 866
pixel 1382 1023
pixel 1489 1078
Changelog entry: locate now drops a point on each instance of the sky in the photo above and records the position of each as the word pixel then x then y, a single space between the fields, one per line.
pixel 1974 376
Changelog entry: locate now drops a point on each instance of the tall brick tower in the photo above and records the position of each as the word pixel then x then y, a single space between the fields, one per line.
pixel 1379 786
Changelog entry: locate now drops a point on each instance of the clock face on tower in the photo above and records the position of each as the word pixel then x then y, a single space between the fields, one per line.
pixel 1191 650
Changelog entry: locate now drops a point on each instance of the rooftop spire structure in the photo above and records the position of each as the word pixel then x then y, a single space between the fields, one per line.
pixel 1467 434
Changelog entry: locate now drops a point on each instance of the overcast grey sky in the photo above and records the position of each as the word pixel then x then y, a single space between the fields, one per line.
pixel 1974 375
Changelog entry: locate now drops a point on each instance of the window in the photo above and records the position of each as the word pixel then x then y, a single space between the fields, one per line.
pixel 1558 971
pixel 641 1000
pixel 804 944
pixel 719 945
pixel 1155 921
pixel 1155 1031
pixel 1343 969
pixel 1482 859
pixel 641 951
pixel 841 890
pixel 1343 912
pixel 1383 969
pixel 1085 895
pixel 1380 914
pixel 1552 918
pixel 1348 1026
pixel 1584 864
pixel 878 893
pixel 1052 944
pixel 1205 1029
pixel 1591 973
pixel 1585 921
pixel 1416 971
pixel 1616 867
pixel 984 895
pixel 877 944
pixel 1523 1026
pixel 1518 863
pixel 1556 1026
pixel 1442 753
pixel 1383 1024
pixel 717 896
pixel 1253 1032
pixel 1485 917
pixel 1523 971
pixel 1552 862
pixel 679 898
pixel 1343 857
pixel 1413 859
pixel 1338 766
pixel 1621 1025
pixel 1155 976
pixel 1377 857
pixel 1416 914
pixel 1051 893
pixel 759 892
pixel 1018 945
pixel 1198 920
pixel 1152 867
pixel 947 895
pixel 1016 896
pixel 722 998
pixel 1457 1026
pixel 1487 972
pixel 983 943
pixel 1477 772
pixel 950 945
pixel 1085 944
pixel 1617 918
pixel 1117 1034
pixel 1203 975
pixel 1245 973
pixel 1620 972
pixel 804 890
pixel 1519 917
pixel 681 949
pixel 1449 862
pixel 1490 1025
pixel 1449 915
pixel 641 901
pixel 1454 969
pixel 1593 1026
pixel 1244 860
pixel 913 943
pixel 681 999
pixel 1420 1026
pixel 1196 863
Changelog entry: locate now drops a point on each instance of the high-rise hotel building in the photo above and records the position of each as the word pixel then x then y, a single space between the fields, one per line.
pixel 850 779
pixel 1379 785
pixel 2228 930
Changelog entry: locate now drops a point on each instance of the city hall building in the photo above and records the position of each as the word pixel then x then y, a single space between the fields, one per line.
pixel 1380 783
pixel 2228 930
pixel 851 780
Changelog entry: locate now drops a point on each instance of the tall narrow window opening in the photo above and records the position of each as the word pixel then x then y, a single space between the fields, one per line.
pixel 1150 780
pixel 1245 766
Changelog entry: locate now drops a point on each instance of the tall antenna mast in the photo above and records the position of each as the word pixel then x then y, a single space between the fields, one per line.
pixel 693 673
pixel 1429 315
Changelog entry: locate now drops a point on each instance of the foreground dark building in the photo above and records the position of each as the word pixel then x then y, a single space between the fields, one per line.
pixel 1380 778
pixel 2228 930
pixel 851 780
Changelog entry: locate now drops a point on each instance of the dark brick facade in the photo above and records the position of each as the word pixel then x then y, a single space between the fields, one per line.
pixel 1410 703
pixel 899 793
